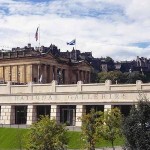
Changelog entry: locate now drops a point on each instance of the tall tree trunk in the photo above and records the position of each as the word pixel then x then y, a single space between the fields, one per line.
pixel 112 143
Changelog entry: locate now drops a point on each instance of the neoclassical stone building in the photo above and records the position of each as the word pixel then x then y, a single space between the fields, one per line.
pixel 35 83
pixel 30 65
pixel 23 104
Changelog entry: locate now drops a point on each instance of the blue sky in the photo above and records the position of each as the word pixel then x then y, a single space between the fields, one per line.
pixel 116 28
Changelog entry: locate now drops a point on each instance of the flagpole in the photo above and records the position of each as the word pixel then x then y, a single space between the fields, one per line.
pixel 29 37
pixel 39 36
pixel 75 51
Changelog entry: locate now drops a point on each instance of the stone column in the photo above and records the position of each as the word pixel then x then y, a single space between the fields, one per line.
pixel 10 72
pixel 38 73
pixel 80 110
pixel 45 74
pixel 59 76
pixel 31 72
pixel 66 76
pixel 12 118
pixel 89 80
pixel 18 74
pixel 7 114
pixel 63 76
pixel 86 77
pixel 55 73
pixel 24 73
pixel 51 73
pixel 31 114
pixel 4 73
pixel 55 113
pixel 79 75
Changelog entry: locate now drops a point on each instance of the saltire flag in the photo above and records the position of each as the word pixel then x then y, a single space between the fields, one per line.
pixel 73 42
pixel 36 33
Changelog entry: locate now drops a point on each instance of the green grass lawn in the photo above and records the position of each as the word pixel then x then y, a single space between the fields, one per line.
pixel 11 139
pixel 76 142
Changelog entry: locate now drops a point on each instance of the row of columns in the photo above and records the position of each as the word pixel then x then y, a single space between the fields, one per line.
pixel 46 73
pixel 24 73
pixel 84 76
pixel 15 75
pixel 61 75
pixel 8 114
pixel 51 72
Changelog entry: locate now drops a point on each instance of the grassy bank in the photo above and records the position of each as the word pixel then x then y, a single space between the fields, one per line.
pixel 11 138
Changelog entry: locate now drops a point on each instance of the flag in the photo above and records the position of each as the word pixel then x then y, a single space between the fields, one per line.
pixel 36 33
pixel 41 77
pixel 73 42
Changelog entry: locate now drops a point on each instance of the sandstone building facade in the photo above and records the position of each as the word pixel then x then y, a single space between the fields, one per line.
pixel 35 83
pixel 22 66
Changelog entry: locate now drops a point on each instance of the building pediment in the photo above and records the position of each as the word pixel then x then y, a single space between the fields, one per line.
pixel 84 64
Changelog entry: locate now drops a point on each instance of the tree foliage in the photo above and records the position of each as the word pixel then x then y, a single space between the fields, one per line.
pixel 133 76
pixel 94 77
pixel 119 77
pixel 136 127
pixel 46 134
pixel 110 129
pixel 112 75
pixel 89 129
pixel 96 125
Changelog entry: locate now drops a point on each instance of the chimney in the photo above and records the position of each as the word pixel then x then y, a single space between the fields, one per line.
pixel 29 45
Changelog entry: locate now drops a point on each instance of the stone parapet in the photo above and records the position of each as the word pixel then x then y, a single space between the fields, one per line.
pixel 79 87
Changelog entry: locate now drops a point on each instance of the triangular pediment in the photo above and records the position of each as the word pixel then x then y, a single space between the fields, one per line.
pixel 84 63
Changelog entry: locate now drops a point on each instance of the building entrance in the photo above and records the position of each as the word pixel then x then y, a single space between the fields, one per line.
pixel 125 109
pixel 20 114
pixel 43 110
pixel 67 115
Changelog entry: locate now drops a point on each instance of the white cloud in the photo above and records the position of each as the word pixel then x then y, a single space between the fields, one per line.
pixel 138 9
pixel 105 28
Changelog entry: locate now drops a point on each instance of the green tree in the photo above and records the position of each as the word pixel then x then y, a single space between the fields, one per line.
pixel 136 126
pixel 110 63
pixel 110 129
pixel 94 77
pixel 109 59
pixel 46 134
pixel 131 77
pixel 89 129
pixel 114 76
pixel 119 77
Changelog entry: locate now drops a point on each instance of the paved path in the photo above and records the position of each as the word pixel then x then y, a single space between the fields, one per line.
pixel 116 148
